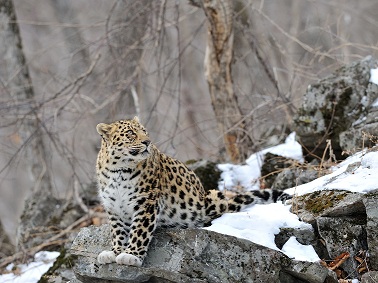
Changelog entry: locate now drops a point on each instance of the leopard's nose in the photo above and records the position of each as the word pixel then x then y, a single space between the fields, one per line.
pixel 146 142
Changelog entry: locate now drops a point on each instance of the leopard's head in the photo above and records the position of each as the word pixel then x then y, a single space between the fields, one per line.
pixel 125 141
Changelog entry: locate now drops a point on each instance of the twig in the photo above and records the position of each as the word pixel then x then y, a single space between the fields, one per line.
pixel 77 196
pixel 136 100
pixel 339 261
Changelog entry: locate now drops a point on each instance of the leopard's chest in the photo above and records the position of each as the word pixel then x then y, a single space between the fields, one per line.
pixel 119 194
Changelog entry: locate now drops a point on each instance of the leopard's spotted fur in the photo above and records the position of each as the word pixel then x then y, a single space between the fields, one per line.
pixel 142 188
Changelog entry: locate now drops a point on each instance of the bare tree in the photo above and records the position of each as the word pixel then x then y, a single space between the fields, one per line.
pixel 218 65
pixel 16 84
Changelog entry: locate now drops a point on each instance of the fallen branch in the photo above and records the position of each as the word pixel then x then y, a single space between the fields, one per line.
pixel 338 261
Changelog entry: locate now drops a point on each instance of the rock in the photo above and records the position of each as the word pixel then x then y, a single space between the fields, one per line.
pixel 370 277
pixel 370 201
pixel 311 272
pixel 344 234
pixel 61 271
pixel 40 214
pixel 364 131
pixel 345 221
pixel 305 236
pixel 44 215
pixel 73 280
pixel 291 177
pixel 333 105
pixel 332 203
pixel 340 221
pixel 272 166
pixel 192 255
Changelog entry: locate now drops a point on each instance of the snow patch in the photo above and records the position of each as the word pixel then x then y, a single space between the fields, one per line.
pixel 247 175
pixel 32 272
pixel 360 179
pixel 260 224
pixel 374 76
pixel 297 251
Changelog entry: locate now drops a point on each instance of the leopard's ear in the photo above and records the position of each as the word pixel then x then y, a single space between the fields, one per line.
pixel 136 119
pixel 104 130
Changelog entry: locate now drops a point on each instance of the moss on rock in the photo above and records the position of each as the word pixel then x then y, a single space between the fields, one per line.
pixel 319 201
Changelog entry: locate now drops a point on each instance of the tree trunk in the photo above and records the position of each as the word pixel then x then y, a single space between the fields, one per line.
pixel 218 59
pixel 16 84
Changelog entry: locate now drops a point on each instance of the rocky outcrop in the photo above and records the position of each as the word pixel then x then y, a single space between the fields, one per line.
pixel 292 177
pixel 370 201
pixel 338 108
pixel 364 131
pixel 279 172
pixel 193 255
pixel 370 277
pixel 43 215
pixel 345 223
pixel 273 164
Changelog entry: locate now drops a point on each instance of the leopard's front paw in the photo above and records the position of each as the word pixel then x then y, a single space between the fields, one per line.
pixel 128 259
pixel 106 257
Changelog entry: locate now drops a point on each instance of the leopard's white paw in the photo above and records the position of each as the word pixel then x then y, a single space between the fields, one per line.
pixel 106 257
pixel 128 259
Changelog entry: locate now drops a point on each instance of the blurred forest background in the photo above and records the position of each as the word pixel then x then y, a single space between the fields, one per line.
pixel 92 61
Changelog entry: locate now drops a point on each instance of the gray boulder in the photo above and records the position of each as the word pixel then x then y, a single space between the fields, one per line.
pixel 272 165
pixel 331 203
pixel 193 255
pixel 291 177
pixel 344 234
pixel 44 214
pixel 364 131
pixel 370 201
pixel 333 105
pixel 370 277
pixel 344 222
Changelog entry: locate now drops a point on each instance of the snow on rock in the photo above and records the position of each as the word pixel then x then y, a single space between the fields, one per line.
pixel 32 272
pixel 247 175
pixel 358 178
pixel 260 224
pixel 374 76
pixel 296 250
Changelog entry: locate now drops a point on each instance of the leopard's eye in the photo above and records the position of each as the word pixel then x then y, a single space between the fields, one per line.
pixel 130 135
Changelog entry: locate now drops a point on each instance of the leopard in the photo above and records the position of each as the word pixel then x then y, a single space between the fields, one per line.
pixel 142 188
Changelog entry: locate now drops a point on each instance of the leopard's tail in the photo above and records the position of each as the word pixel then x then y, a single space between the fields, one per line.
pixel 217 204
